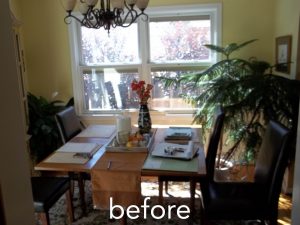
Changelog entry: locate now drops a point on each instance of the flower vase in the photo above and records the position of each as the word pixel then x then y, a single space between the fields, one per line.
pixel 144 121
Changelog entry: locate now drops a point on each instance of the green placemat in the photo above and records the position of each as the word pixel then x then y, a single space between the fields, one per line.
pixel 159 163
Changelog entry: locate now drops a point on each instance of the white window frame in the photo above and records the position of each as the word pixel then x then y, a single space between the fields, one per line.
pixel 144 68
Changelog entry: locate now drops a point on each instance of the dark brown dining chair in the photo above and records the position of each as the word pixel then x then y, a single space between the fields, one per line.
pixel 69 125
pixel 46 191
pixel 257 200
pixel 211 152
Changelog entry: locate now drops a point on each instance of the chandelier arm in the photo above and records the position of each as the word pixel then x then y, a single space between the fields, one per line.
pixel 129 13
pixel 130 18
pixel 86 22
pixel 117 21
pixel 117 17
pixel 96 21
pixel 69 17
pixel 101 18
pixel 91 15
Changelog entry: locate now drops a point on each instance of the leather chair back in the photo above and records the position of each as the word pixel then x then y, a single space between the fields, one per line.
pixel 68 124
pixel 257 200
pixel 271 162
pixel 214 140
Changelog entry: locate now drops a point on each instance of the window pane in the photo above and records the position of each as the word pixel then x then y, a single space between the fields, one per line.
pixel 119 46
pixel 109 89
pixel 179 41
pixel 170 98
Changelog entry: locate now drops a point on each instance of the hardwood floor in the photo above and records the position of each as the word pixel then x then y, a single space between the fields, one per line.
pixel 245 173
pixel 285 207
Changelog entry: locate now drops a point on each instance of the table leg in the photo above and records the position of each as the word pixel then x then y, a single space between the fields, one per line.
pixel 82 193
pixel 70 206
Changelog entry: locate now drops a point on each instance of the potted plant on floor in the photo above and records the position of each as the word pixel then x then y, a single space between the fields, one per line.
pixel 249 93
pixel 43 131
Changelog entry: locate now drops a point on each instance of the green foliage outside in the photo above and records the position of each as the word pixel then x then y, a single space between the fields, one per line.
pixel 250 94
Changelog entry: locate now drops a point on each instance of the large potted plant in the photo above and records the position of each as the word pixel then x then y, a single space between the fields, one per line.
pixel 250 94
pixel 43 131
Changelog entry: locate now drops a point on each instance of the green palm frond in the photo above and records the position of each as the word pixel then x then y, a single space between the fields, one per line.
pixel 249 95
pixel 230 48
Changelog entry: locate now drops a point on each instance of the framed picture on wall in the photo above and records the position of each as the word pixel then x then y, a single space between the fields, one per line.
pixel 283 53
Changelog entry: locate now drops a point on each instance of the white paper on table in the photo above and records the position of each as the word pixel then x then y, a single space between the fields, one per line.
pixel 102 131
pixel 65 157
pixel 186 151
pixel 179 132
pixel 79 147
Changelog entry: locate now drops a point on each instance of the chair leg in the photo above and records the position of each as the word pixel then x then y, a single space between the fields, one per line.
pixel 44 218
pixel 202 216
pixel 192 193
pixel 160 192
pixel 123 220
pixel 70 210
pixel 166 186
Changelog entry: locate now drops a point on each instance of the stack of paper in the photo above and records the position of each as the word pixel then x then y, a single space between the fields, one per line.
pixel 84 150
pixel 171 150
pixel 178 133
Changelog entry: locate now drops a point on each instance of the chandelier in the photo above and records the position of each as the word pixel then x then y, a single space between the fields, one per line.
pixel 111 13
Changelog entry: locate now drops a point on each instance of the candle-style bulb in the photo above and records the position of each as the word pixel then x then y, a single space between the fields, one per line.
pixel 69 5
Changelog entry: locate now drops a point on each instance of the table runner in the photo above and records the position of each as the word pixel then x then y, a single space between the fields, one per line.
pixel 117 175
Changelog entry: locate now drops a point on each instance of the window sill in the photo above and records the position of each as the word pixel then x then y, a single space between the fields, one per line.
pixel 165 118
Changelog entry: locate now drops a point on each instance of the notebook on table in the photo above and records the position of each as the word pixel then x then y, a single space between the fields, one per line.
pixel 178 133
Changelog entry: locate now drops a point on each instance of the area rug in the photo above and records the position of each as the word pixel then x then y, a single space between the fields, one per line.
pixel 177 195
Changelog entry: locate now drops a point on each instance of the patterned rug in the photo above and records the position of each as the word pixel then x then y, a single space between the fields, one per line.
pixel 177 195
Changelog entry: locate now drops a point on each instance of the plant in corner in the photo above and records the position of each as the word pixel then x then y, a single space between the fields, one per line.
pixel 250 95
pixel 43 131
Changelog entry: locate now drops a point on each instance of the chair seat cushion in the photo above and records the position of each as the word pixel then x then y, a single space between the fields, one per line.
pixel 47 190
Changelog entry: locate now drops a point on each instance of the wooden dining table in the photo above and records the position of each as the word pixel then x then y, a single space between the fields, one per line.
pixel 65 168
pixel 158 136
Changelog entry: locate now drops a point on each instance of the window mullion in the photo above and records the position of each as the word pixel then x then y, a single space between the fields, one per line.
pixel 144 43
pixel 75 50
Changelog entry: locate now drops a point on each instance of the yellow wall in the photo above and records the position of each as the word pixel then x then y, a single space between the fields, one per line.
pixel 15 8
pixel 244 20
pixel 47 44
pixel 47 49
pixel 286 22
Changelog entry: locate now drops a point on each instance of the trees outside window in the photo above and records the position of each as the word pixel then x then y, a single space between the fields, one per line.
pixel 169 44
